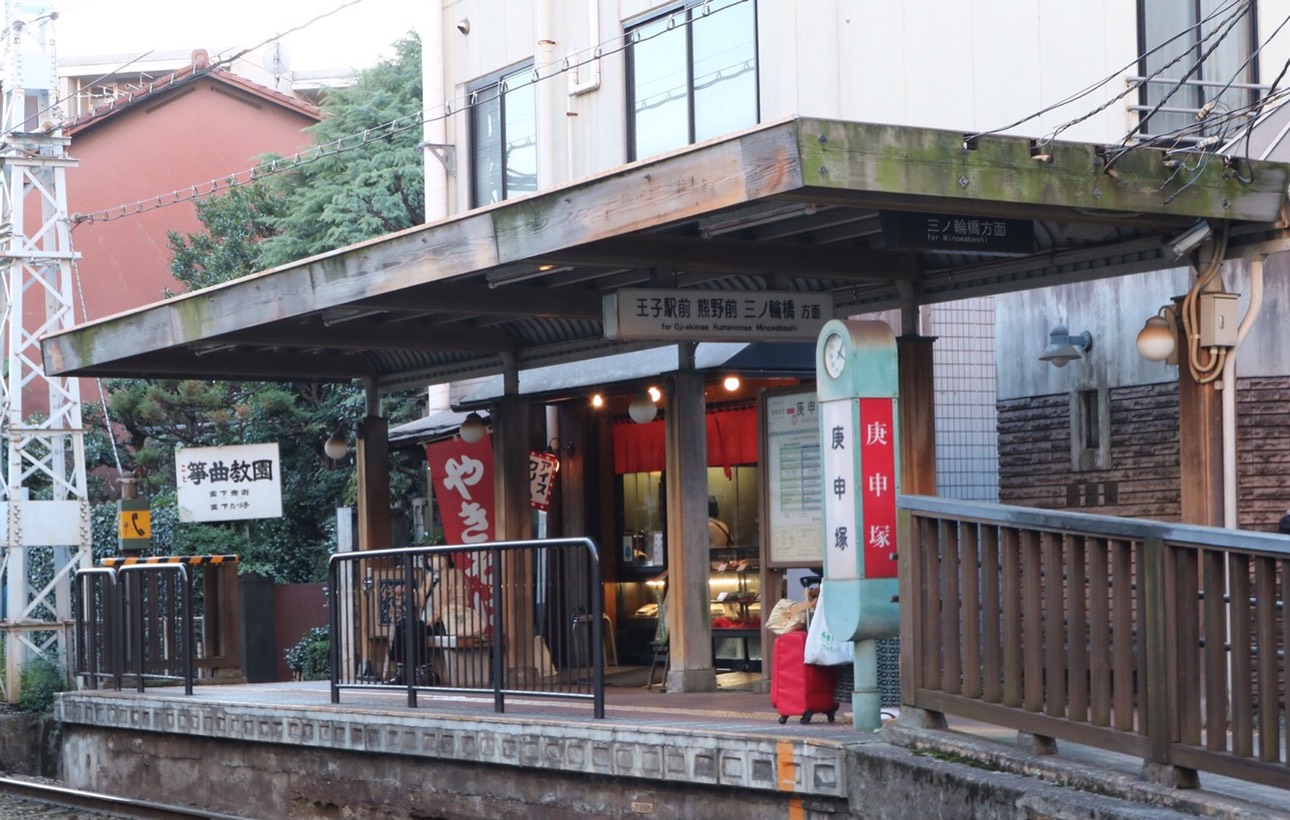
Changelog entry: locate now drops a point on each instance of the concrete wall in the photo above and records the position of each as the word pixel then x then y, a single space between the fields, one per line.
pixel 297 762
pixel 1114 310
pixel 975 65
pixel 30 744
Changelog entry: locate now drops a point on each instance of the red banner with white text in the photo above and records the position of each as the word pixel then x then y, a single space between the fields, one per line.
pixel 462 476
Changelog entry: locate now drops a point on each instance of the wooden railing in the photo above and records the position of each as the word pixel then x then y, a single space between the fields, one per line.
pixel 1162 641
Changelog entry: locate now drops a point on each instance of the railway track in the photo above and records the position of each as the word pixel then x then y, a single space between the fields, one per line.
pixel 30 799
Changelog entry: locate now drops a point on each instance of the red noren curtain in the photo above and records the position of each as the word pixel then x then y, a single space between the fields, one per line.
pixel 732 439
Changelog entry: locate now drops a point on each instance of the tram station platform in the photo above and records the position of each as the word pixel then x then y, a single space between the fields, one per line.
pixel 284 750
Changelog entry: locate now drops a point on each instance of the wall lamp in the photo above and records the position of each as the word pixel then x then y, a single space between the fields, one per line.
pixel 1063 347
pixel 472 428
pixel 1156 340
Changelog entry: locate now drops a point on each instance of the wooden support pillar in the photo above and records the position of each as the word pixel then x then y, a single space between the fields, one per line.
pixel 1200 431
pixel 514 522
pixel 576 431
pixel 688 612
pixel 917 409
pixel 373 454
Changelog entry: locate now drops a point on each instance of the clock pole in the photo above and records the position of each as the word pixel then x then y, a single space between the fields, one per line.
pixel 857 383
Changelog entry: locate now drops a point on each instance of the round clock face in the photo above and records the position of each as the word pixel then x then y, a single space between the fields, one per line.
pixel 835 355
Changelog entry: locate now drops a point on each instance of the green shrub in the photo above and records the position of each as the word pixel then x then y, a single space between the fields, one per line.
pixel 310 658
pixel 42 678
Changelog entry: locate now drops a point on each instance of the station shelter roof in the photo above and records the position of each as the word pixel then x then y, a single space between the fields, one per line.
pixel 803 205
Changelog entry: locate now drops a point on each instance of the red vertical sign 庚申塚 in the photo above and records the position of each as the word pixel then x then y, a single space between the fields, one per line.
pixel 878 487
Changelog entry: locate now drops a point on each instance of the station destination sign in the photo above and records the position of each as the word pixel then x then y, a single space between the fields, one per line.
pixel 715 316
pixel 959 233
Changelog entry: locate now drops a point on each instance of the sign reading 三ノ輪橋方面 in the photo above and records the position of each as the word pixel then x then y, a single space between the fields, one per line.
pixel 234 483
pixel 957 232
pixel 715 316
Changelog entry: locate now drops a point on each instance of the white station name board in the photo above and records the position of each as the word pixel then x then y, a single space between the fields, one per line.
pixel 715 315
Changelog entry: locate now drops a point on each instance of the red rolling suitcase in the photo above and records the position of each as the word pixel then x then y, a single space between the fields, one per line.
pixel 797 687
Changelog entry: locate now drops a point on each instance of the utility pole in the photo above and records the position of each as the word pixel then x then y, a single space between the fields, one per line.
pixel 45 527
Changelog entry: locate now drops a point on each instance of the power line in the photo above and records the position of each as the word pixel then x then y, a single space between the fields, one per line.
pixel 1089 89
pixel 460 104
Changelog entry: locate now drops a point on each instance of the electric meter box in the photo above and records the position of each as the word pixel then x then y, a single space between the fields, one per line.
pixel 1218 319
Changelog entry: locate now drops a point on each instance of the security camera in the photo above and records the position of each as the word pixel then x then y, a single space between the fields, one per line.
pixel 1190 239
pixel 463 25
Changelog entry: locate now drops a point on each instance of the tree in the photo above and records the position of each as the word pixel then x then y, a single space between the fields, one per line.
pixel 341 198
pixel 237 222
pixel 369 178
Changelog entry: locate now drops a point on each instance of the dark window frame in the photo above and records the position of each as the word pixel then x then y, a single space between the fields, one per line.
pixel 1193 96
pixel 485 85
pixel 655 16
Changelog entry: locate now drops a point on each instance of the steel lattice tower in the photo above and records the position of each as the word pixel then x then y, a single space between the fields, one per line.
pixel 46 521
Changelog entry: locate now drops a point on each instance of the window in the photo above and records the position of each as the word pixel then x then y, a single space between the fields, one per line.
pixel 1092 419
pixel 1205 44
pixel 503 146
pixel 1090 429
pixel 692 75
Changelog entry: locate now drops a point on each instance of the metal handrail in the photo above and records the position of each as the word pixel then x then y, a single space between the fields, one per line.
pixel 358 615
pixel 134 616
pixel 87 637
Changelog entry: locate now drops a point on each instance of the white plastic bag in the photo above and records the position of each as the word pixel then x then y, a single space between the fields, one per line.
pixel 822 649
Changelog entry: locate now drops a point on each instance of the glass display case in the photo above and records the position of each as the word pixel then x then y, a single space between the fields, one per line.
pixel 735 605
pixel 734 582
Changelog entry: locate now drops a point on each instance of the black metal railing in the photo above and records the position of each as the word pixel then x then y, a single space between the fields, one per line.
pixel 97 636
pixel 134 621
pixel 157 608
pixel 510 618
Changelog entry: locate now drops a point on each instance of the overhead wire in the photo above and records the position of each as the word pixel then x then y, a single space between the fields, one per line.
pixel 462 103
pixel 1094 86
pixel 1220 33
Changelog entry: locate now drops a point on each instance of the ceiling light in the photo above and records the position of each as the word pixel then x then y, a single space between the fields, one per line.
pixel 731 383
pixel 1190 239
pixel 597 401
pixel 642 409
pixel 472 429
pixel 654 393
pixel 336 447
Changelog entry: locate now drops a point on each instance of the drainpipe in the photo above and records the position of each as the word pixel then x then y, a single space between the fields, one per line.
pixel 1229 395
pixel 435 131
pixel 542 72
pixel 576 88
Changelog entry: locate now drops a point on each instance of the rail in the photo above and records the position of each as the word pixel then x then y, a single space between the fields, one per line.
pixel 213 581
pixel 1158 640
pixel 510 618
